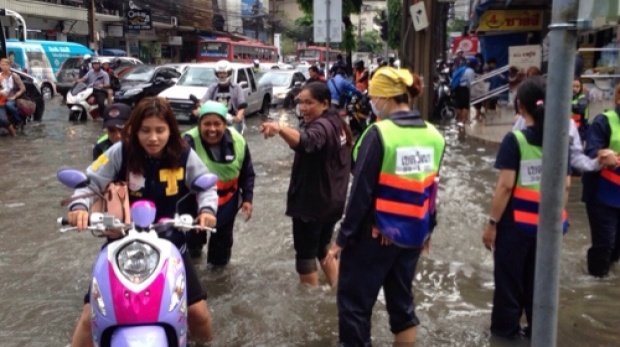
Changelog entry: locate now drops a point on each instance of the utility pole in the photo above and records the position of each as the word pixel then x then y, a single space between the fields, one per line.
pixel 91 25
pixel 327 37
pixel 563 40
pixel 387 17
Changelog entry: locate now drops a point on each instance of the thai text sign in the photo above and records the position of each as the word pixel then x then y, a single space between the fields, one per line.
pixel 511 20
pixel 524 57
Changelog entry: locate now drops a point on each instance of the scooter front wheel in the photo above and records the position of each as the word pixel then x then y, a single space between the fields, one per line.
pixel 448 113
pixel 74 116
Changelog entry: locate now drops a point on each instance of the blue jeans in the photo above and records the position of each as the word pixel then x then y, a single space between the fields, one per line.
pixel 12 112
pixel 4 121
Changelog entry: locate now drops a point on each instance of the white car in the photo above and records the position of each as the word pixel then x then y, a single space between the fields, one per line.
pixel 196 79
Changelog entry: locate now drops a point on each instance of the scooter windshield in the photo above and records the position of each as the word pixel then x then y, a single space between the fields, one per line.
pixel 78 88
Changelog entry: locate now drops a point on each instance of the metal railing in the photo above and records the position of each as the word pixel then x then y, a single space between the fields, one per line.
pixel 493 92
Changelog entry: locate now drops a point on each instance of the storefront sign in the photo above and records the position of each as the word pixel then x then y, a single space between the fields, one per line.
pixel 511 20
pixel 469 44
pixel 115 31
pixel 139 19
pixel 175 40
pixel 524 57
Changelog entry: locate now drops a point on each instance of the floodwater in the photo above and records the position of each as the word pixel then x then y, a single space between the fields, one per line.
pixel 256 300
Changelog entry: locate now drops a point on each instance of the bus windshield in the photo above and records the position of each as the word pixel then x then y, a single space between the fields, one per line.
pixel 198 77
pixel 214 49
pixel 309 53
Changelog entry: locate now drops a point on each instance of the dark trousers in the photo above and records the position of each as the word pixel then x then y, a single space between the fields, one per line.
pixel 220 243
pixel 365 267
pixel 605 230
pixel 515 260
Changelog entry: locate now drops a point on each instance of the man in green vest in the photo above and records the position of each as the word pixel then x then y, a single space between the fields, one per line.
pixel 114 118
pixel 225 153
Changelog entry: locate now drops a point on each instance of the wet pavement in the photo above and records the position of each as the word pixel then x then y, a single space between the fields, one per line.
pixel 257 300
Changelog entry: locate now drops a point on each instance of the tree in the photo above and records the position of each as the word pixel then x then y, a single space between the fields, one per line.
pixel 370 42
pixel 287 45
pixel 394 18
pixel 348 7
pixel 302 30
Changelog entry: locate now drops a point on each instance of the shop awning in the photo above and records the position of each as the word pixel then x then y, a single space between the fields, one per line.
pixel 481 6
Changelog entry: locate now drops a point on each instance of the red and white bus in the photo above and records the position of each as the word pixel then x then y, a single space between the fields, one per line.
pixel 316 54
pixel 235 51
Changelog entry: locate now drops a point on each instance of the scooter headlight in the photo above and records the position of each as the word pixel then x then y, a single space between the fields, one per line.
pixel 177 293
pixel 96 299
pixel 137 261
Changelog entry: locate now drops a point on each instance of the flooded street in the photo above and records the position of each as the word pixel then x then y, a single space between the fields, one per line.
pixel 256 300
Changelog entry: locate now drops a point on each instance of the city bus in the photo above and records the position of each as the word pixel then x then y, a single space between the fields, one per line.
pixel 316 54
pixel 235 51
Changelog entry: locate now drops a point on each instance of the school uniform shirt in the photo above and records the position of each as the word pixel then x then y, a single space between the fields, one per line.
pixel 108 166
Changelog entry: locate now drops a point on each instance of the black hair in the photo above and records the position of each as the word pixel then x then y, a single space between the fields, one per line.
pixel 339 56
pixel 531 96
pixel 492 61
pixel 313 68
pixel 319 91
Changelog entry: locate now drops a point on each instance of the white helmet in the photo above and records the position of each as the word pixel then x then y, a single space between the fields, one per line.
pixel 223 66
pixel 104 60
pixel 87 56
pixel 256 62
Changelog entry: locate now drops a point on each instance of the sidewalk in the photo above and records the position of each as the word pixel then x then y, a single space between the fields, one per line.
pixel 494 128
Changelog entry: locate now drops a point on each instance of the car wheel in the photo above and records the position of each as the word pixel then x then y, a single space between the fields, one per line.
pixel 74 116
pixel 47 91
pixel 265 107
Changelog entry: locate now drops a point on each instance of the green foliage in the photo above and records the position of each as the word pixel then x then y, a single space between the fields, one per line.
pixel 349 43
pixel 287 45
pixel 370 42
pixel 457 25
pixel 302 30
pixel 394 20
pixel 348 6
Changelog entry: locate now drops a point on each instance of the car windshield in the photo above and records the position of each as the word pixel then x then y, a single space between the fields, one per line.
pixel 277 79
pixel 140 74
pixel 198 76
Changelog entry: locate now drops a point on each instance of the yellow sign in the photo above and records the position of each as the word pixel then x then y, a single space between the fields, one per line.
pixel 511 20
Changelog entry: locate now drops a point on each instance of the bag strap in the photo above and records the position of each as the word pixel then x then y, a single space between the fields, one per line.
pixel 67 201
pixel 335 86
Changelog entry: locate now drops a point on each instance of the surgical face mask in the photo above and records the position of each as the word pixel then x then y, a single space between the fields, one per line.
pixel 375 109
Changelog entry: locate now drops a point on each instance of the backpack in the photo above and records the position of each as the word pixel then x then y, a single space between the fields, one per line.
pixel 456 77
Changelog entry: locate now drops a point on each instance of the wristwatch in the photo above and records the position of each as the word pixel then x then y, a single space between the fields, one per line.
pixel 492 221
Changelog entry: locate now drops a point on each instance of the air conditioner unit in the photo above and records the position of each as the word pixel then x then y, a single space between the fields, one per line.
pixel 174 21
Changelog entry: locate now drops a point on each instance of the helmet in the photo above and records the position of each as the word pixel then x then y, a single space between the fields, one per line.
pixel 87 56
pixel 116 62
pixel 95 61
pixel 213 107
pixel 223 66
pixel 104 61
pixel 256 62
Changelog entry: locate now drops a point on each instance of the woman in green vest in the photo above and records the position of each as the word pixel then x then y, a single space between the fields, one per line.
pixel 225 153
pixel 390 212
pixel 511 228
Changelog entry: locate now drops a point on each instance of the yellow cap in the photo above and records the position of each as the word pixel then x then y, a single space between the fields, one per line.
pixel 389 82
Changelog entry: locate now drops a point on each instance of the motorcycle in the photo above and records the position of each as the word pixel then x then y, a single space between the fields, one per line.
pixel 443 109
pixel 82 102
pixel 359 113
pixel 138 288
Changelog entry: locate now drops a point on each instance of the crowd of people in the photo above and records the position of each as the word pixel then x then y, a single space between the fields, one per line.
pixel 390 211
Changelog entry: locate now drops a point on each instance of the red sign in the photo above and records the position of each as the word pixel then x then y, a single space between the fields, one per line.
pixel 469 44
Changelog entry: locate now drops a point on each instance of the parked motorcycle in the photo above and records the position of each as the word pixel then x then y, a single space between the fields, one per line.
pixel 82 102
pixel 443 108
pixel 138 287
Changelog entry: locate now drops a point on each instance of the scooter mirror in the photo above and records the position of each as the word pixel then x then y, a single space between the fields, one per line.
pixel 72 178
pixel 204 182
pixel 143 213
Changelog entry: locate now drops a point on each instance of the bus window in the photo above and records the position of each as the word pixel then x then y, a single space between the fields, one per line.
pixel 214 49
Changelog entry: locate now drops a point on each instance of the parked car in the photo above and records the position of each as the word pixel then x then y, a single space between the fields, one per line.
pixel 70 71
pixel 33 92
pixel 196 80
pixel 286 84
pixel 145 80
